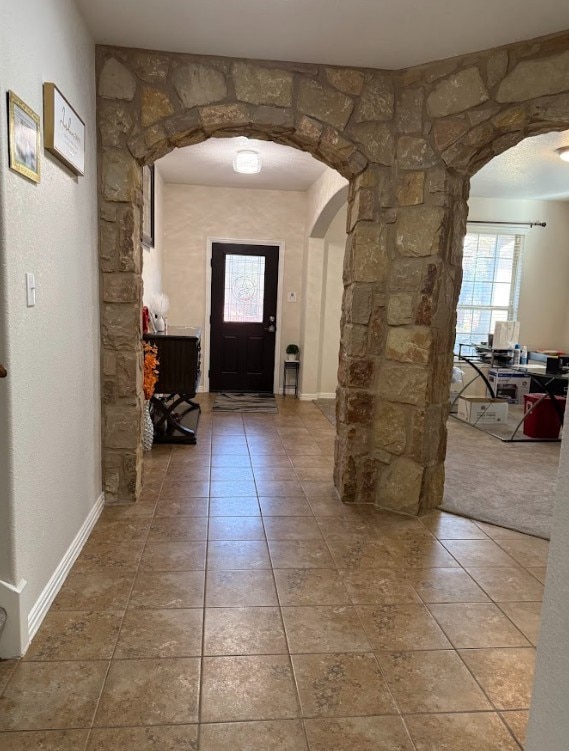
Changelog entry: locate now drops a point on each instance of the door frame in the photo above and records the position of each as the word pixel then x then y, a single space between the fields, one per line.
pixel 206 333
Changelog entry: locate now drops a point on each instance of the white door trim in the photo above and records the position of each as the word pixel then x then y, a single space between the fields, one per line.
pixel 206 333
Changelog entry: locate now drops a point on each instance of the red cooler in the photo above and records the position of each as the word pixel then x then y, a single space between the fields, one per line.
pixel 543 421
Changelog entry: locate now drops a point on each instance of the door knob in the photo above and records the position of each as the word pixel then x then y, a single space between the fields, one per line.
pixel 3 371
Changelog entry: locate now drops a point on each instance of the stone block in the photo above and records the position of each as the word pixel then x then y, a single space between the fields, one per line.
pixel 273 119
pixel 359 407
pixel 150 67
pixel 120 325
pixel 122 288
pixel 334 147
pixel 115 120
pixel 406 274
pixel 259 85
pixel 129 373
pixel 410 188
pixel 457 93
pixel 376 140
pixel 419 230
pixel 400 310
pixel 401 485
pixel 359 373
pixel 552 109
pixel 415 153
pixel 155 105
pixel 426 435
pixel 369 254
pixel 377 99
pixel 354 340
pixel 308 131
pixel 109 360
pixel 346 80
pixel 121 425
pixel 357 306
pixel 116 81
pixel 407 384
pixel 325 104
pixel 409 111
pixel 535 78
pixel 361 209
pixel 496 67
pixel 224 116
pixel 121 176
pixel 198 84
pixel 390 427
pixel 411 344
pixel 446 132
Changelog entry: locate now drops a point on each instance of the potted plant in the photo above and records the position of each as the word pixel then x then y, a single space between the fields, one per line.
pixel 292 351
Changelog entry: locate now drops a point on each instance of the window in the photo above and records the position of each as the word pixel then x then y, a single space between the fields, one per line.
pixel 490 284
pixel 244 289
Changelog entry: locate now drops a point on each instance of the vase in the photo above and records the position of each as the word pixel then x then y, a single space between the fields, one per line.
pixel 159 323
pixel 148 427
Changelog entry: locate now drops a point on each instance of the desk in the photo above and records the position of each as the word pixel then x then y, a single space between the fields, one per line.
pixel 292 367
pixel 174 413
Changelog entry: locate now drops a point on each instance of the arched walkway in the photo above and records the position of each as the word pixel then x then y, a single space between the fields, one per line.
pixel 408 142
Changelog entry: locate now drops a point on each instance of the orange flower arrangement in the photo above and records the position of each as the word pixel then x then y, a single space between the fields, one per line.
pixel 150 369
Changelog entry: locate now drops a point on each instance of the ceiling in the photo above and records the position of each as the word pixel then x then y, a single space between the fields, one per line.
pixel 211 163
pixel 531 169
pixel 370 33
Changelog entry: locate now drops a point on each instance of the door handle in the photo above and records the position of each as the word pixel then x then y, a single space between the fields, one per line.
pixel 271 328
pixel 3 371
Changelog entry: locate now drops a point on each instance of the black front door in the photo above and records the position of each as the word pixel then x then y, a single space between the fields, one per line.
pixel 244 280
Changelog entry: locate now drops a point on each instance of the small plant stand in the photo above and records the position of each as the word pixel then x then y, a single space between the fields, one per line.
pixel 290 376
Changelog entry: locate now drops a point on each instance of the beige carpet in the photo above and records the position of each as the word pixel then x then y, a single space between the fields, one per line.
pixel 508 484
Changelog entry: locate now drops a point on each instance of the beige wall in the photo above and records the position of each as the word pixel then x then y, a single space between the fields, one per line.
pixel 152 258
pixel 50 461
pixel 544 302
pixel 192 214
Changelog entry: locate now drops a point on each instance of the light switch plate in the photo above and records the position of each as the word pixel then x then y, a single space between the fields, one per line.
pixel 291 297
pixel 30 290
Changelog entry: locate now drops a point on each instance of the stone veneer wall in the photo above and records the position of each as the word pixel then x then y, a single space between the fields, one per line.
pixel 408 142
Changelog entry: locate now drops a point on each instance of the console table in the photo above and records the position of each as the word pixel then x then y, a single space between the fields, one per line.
pixel 174 413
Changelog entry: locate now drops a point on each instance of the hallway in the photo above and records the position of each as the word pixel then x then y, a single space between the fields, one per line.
pixel 325 627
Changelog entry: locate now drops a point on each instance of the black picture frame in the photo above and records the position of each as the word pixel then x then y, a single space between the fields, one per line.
pixel 148 206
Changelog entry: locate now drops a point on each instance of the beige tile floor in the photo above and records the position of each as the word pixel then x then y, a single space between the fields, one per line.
pixel 239 605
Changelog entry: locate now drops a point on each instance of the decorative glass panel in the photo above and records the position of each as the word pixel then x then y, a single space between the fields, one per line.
pixel 244 289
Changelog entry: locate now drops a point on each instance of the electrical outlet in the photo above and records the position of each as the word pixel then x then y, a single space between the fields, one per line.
pixel 30 290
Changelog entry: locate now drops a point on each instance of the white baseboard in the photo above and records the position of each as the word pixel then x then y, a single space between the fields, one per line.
pixel 321 395
pixel 44 601
pixel 15 632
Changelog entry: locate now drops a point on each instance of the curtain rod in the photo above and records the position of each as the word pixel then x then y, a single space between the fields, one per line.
pixel 511 224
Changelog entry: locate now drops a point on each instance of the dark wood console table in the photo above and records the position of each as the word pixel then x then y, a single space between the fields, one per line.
pixel 174 413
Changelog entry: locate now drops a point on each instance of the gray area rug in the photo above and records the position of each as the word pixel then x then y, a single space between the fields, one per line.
pixel 246 403
pixel 328 408
pixel 508 484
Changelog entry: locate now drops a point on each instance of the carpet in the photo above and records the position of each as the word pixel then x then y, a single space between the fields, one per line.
pixel 511 485
pixel 246 403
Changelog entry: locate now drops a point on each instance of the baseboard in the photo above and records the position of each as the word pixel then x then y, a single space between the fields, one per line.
pixel 44 601
pixel 15 632
pixel 313 397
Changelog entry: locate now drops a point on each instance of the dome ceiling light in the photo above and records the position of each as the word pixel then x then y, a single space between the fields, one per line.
pixel 247 162
pixel 564 153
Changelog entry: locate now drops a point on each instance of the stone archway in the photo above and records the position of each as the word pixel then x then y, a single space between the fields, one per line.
pixel 408 142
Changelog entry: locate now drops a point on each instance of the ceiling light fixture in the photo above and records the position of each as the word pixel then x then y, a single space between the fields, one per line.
pixel 247 162
pixel 564 153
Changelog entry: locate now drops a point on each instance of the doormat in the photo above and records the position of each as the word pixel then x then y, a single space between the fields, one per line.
pixel 246 403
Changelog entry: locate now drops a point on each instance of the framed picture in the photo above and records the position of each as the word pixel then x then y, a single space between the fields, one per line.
pixel 24 138
pixel 148 206
pixel 64 131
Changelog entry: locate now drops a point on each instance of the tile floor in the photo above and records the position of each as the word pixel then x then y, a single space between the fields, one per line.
pixel 239 605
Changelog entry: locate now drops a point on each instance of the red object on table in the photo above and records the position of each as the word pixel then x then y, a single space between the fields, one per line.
pixel 543 421
pixel 145 319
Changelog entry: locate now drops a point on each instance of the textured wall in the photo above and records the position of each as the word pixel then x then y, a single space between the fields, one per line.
pixel 192 214
pixel 50 402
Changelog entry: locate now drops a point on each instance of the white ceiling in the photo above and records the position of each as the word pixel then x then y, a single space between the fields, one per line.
pixel 374 33
pixel 531 169
pixel 211 163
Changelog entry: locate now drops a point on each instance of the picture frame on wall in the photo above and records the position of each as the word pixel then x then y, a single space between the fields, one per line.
pixel 24 138
pixel 64 130
pixel 148 206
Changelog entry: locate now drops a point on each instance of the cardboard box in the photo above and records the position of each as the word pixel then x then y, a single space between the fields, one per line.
pixel 509 384
pixel 481 410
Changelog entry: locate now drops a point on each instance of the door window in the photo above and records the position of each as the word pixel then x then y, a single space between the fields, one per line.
pixel 244 293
